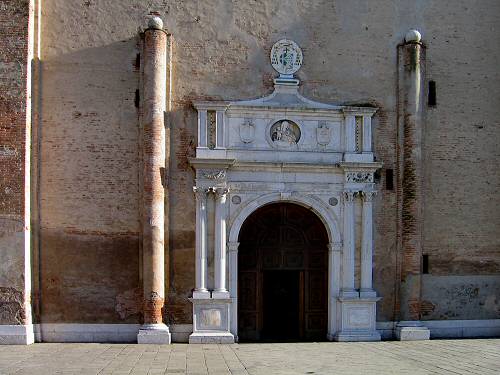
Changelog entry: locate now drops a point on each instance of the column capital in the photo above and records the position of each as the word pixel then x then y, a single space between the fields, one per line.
pixel 349 196
pixel 200 192
pixel 233 246
pixel 368 196
pixel 335 246
pixel 220 192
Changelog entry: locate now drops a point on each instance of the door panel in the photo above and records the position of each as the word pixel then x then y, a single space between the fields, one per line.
pixel 283 275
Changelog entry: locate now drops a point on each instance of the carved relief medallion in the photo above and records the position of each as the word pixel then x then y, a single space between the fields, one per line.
pixel 247 131
pixel 286 57
pixel 323 134
pixel 285 133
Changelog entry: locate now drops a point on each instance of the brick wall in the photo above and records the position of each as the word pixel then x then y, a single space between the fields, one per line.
pixel 89 189
pixel 14 146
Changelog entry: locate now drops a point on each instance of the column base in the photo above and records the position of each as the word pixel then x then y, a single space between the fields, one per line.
pixel 220 294
pixel 211 321
pixel 201 294
pixel 154 334
pixel 349 294
pixel 367 293
pixel 412 331
pixel 14 334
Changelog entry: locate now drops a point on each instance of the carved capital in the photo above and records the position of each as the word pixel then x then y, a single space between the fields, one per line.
pixel 349 196
pixel 220 193
pixel 368 196
pixel 232 246
pixel 200 193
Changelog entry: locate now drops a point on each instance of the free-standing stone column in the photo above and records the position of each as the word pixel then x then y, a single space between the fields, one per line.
pixel 367 246
pixel 411 122
pixel 220 290
pixel 201 290
pixel 154 106
pixel 349 246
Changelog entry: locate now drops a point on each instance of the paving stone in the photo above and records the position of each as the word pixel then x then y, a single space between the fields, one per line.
pixel 431 357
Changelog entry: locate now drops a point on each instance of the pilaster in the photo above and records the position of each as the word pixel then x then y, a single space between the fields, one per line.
pixel 347 289
pixel 366 289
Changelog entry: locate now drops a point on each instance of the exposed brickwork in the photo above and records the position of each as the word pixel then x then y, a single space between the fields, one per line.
pixel 14 134
pixel 90 140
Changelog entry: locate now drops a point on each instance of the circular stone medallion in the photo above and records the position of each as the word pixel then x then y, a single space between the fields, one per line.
pixel 286 57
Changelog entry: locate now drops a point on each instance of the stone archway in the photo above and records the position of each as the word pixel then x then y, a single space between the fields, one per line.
pixel 283 275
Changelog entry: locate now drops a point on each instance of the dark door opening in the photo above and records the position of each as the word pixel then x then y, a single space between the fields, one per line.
pixel 282 275
pixel 282 318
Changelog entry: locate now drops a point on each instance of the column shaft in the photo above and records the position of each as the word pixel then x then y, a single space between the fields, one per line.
pixel 367 245
pixel 233 283
pixel 201 244
pixel 349 245
pixel 220 290
pixel 154 106
pixel 410 188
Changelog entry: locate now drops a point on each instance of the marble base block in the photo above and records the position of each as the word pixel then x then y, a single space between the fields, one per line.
pixel 412 331
pixel 211 321
pixel 17 334
pixel 154 334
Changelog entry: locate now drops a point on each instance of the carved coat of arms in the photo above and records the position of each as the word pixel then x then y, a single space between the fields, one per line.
pixel 323 134
pixel 247 131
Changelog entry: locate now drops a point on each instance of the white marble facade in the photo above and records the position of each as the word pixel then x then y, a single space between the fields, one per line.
pixel 283 148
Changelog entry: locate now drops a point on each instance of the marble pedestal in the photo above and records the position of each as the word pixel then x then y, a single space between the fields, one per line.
pixel 154 334
pixel 357 319
pixel 412 331
pixel 211 321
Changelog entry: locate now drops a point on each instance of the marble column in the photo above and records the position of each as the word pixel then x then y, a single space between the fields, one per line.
pixel 154 106
pixel 220 289
pixel 233 283
pixel 349 246
pixel 366 289
pixel 201 290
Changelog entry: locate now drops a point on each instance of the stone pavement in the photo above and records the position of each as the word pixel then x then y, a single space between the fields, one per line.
pixel 389 357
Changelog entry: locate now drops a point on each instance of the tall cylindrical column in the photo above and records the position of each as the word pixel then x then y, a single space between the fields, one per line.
pixel 153 110
pixel 220 290
pixel 410 197
pixel 349 246
pixel 201 290
pixel 366 289
pixel 412 121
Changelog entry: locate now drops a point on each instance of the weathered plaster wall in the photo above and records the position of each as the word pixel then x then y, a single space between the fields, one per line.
pixel 89 189
pixel 15 55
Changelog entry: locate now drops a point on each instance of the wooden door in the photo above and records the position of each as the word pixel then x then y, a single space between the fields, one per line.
pixel 283 247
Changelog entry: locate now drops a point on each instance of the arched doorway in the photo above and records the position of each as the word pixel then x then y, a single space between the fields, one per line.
pixel 282 275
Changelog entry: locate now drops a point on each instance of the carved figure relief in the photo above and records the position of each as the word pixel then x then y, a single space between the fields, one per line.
pixel 323 134
pixel 215 174
pixel 247 131
pixel 285 133
pixel 359 177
